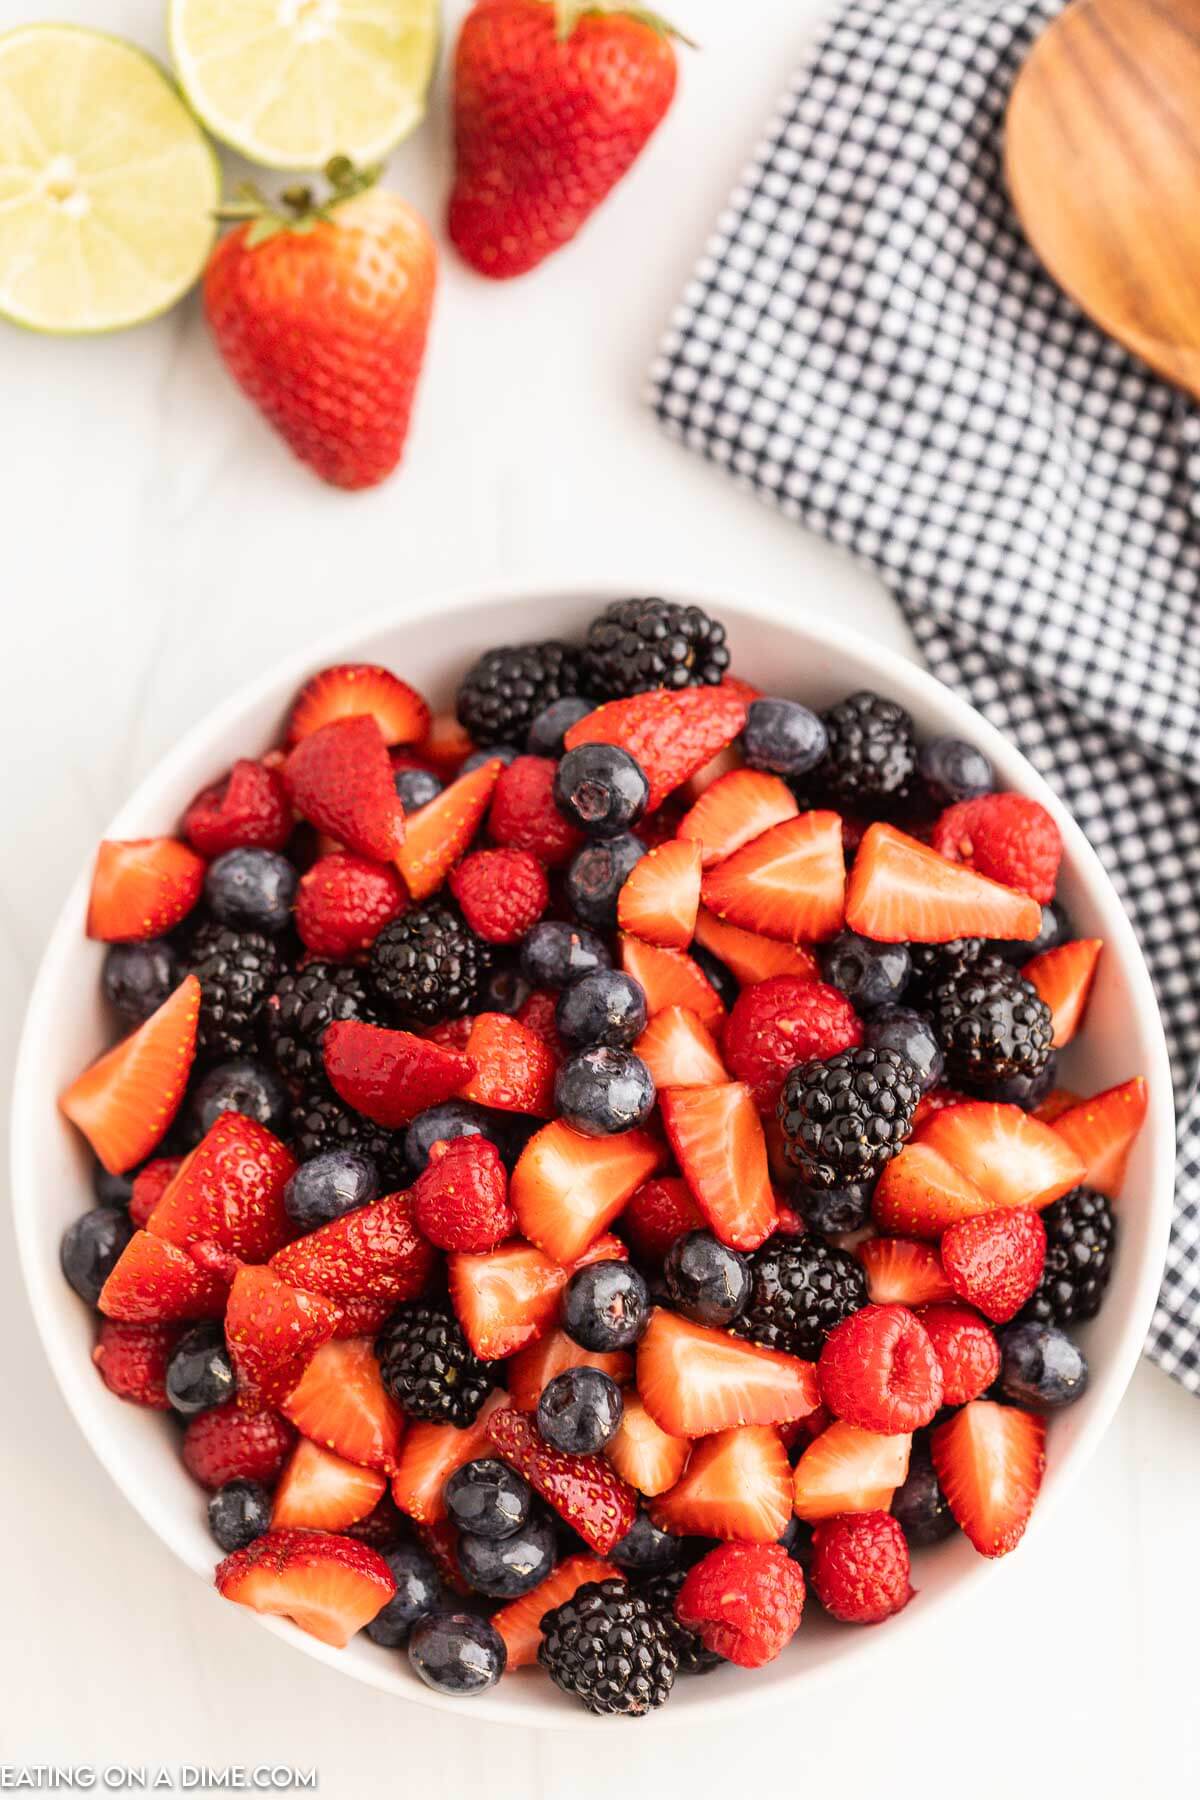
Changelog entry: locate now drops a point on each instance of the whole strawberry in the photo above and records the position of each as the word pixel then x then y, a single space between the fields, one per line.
pixel 321 313
pixel 553 101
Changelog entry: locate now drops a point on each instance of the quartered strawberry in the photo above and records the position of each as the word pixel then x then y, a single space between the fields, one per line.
pixel 790 883
pixel 374 1252
pixel 440 832
pixel 718 1141
pixel 694 1380
pixel 445 745
pixel 1013 1160
pixel 460 1199
pixel 319 1491
pixel 902 1272
pixel 149 1185
pixel 232 1443
pixel 125 1103
pixel 531 1369
pixel 247 808
pixel 661 896
pixel 901 891
pixel 671 734
pixel 142 888
pixel 586 1490
pixel 734 810
pixel 878 1370
pixel 430 1455
pixel 751 956
pixel 1063 977
pixel 512 1069
pixel 737 1485
pixel 936 1100
pixel 329 1586
pixel 341 1403
pixel 508 1298
pixel 679 1051
pixel 1101 1133
pixel 131 1359
pixel 156 1282
pixel 390 1076
pixel 273 1331
pixel 566 1188
pixel 671 978
pixel 340 780
pixel 1057 1102
pixel 343 902
pixel 989 1461
pixel 995 1262
pixel 849 1470
pixel 229 1191
pixel 520 1622
pixel 660 1211
pixel 965 1347
pixel 649 1458
pixel 919 1193
pixel 346 689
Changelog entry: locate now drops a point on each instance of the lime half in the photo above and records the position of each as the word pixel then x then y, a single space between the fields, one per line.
pixel 291 83
pixel 107 184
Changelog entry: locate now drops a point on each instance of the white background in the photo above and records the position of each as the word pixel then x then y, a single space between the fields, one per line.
pixel 159 546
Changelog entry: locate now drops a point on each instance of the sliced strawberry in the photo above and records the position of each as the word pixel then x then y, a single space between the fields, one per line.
pixel 155 1282
pixel 531 1369
pixel 848 1470
pixel 789 883
pixel 340 780
pixel 586 1490
pixel 995 1262
pixel 736 809
pixel 390 1076
pixel 229 1191
pixel 126 1101
pixel 921 1193
pixel 679 1051
pixel 247 808
pixel 371 1253
pixel 508 1297
pixel 341 1403
pixel 1012 1159
pixel 1101 1133
pixel 904 1273
pixel 441 831
pixel 694 1380
pixel 445 745
pixel 901 891
pixel 327 1585
pixel 520 1622
pixel 737 1485
pixel 566 1188
pixel 430 1455
pixel 718 1141
pixel 671 978
pixel 1063 977
pixel 671 734
pixel 649 1458
pixel 1057 1102
pixel 319 1491
pixel 512 1068
pixel 142 888
pixel 661 896
pixel 273 1331
pixel 660 1211
pixel 989 1461
pixel 751 956
pixel 936 1100
pixel 349 688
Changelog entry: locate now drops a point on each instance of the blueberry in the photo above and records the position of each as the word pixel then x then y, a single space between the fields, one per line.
pixel 919 1505
pixel 596 875
pixel 504 1568
pixel 416 788
pixel 510 1132
pixel 645 1549
pixel 451 1119
pixel 601 1092
pixel 954 770
pixel 238 1513
pixel 1026 1091
pixel 797 1541
pixel 723 981
pixel 900 1028
pixel 488 1498
pixel 456 1653
pixel 548 730
pixel 110 1189
pixel 139 977
pixel 833 1211
pixel 601 788
pixel 504 989
pixel 242 1085
pixel 91 1247
pixel 1041 1367
pixel 869 974
pixel 706 1281
pixel 252 889
pixel 507 753
pixel 1056 928
pixel 419 1591
pixel 784 737
pixel 580 1410
pixel 605 1007
pixel 328 1185
pixel 200 1373
pixel 606 1306
pixel 554 953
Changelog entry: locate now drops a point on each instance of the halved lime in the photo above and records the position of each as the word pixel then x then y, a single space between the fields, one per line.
pixel 107 184
pixel 291 83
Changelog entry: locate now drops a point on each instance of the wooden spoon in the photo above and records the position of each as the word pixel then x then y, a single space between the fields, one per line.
pixel 1102 155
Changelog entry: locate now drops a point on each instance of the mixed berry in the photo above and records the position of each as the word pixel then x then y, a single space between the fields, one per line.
pixel 585 1171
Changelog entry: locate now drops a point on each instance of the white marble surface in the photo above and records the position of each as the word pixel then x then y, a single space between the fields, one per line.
pixel 158 546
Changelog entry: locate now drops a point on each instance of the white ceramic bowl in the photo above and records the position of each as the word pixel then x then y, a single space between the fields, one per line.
pixel 431 644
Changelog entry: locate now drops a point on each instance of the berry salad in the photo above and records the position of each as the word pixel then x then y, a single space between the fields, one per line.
pixel 587 1174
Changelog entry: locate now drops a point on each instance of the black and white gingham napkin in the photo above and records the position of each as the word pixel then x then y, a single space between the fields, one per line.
pixel 869 343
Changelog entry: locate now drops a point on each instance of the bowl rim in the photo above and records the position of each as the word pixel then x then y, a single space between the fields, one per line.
pixel 904 679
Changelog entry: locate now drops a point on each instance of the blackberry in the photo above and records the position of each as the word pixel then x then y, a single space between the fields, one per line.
pixel 800 1290
pixel 934 963
pixel 304 1003
pixel 872 751
pixel 428 1367
pixel 635 645
pixel 236 971
pixel 993 1025
pixel 844 1118
pixel 610 1648
pixel 502 694
pixel 1080 1239
pixel 321 1122
pixel 427 965
pixel 659 1594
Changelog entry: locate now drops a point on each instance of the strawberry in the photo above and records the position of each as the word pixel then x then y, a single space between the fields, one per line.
pixel 142 888
pixel 737 1485
pixel 1063 977
pixel 679 1051
pixel 347 689
pixel 552 1355
pixel 694 1380
pixel 781 1022
pixel 229 1191
pixel 660 1211
pixel 735 810
pixel 966 1349
pixel 127 1100
pixel 373 1252
pixel 460 1199
pixel 744 1602
pixel 671 734
pixel 430 1455
pixel 661 896
pixel 860 1568
pixel 789 883
pixel 156 1283
pixel 935 1101
pixel 552 105
pixel 585 1490
pixel 149 1185
pixel 451 1034
pixel 520 1622
pixel 989 1461
pixel 649 1458
pixel 1006 837
pixel 750 956
pixel 131 1358
pixel 343 902
pixel 508 1298
pixel 389 1076
pixel 524 815
pixel 718 1142
pixel 900 891
pixel 995 1262
pixel 440 832
pixel 319 1491
pixel 440 1544
pixel 566 1189
pixel 671 978
pixel 1012 1159
pixel 877 1369
pixel 919 1192
pixel 1101 1133
pixel 445 746
pixel 341 1403
pixel 329 1586
pixel 231 1443
pixel 321 317
pixel 362 1317
pixel 502 893
pixel 248 807
pixel 539 1014
pixel 901 1272
pixel 513 1070
pixel 848 1470
pixel 340 780
pixel 1057 1102
pixel 273 1331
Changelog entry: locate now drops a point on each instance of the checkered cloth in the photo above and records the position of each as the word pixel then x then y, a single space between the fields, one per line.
pixel 869 343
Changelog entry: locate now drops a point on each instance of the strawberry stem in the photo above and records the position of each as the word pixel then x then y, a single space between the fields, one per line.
pixel 568 13
pixel 299 209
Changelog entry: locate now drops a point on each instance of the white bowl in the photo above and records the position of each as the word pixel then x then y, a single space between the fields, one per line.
pixel 430 645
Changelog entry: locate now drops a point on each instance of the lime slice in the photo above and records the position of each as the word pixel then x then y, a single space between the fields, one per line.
pixel 291 83
pixel 107 184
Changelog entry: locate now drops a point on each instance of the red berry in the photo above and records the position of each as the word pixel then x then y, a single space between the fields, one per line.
pixel 781 1022
pixel 860 1567
pixel 344 902
pixel 524 816
pixel 995 1260
pixel 1006 837
pixel 659 1212
pixel 149 1185
pixel 539 1014
pixel 966 1349
pixel 132 1360
pixel 502 893
pixel 744 1601
pixel 247 807
pixel 878 1370
pixel 460 1200
pixel 227 1442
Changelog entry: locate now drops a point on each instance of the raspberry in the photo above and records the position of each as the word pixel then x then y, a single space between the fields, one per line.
pixel 227 1442
pixel 878 1370
pixel 966 1349
pixel 502 893
pixel 744 1601
pixel 451 1034
pixel 781 1022
pixel 524 816
pixel 539 1014
pixel 132 1359
pixel 659 1212
pixel 860 1567
pixel 995 1261
pixel 460 1200
pixel 344 902
pixel 1005 837
pixel 248 808
pixel 149 1185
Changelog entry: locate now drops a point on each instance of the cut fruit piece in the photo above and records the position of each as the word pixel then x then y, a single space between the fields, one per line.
pixel 671 978
pixel 520 1622
pixel 507 1298
pixel 650 1459
pixel 789 883
pixel 661 896
pixel 1057 1102
pixel 694 1380
pixel 340 1402
pixel 319 1491
pixel 531 1369
pixel 1063 977
pixel 156 1282
pixel 273 1331
pixel 849 1470
pixel 672 734
pixel 142 888
pixel 389 1076
pixel 372 1253
pixel 750 956
pixel 737 1485
pixel 717 1137
pixel 901 1272
pixel 919 1192
pixel 567 1188
pixel 901 891
pixel 445 745
pixel 430 1456
pixel 348 688
pixel 126 1102
pixel 736 809
pixel 1101 1133
pixel 996 1262
pixel 679 1051
pixel 989 1461
pixel 329 1586
pixel 229 1192
pixel 584 1490
pixel 1012 1159
pixel 513 1069
pixel 439 833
